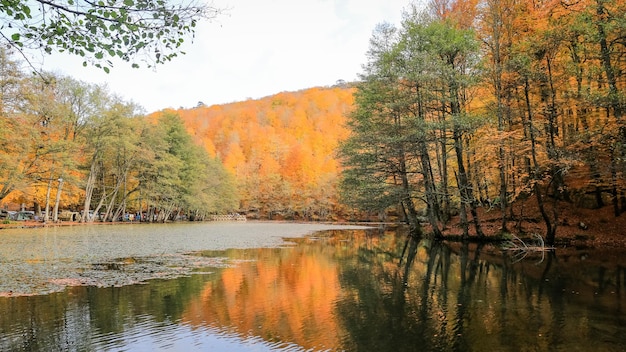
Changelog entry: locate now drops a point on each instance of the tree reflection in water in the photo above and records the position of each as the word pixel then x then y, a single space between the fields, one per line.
pixel 447 297
pixel 350 290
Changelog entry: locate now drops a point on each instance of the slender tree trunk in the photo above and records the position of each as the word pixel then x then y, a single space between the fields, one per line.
pixel 443 169
pixel 429 186
pixel 605 57
pixel 497 24
pixel 473 197
pixel 46 216
pixel 614 191
pixel 534 174
pixel 55 216
pixel 465 188
pixel 111 204
pixel 462 210
pixel 430 189
pixel 415 226
pixel 89 187
pixel 559 189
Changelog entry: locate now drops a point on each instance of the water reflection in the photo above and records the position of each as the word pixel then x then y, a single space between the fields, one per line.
pixel 350 290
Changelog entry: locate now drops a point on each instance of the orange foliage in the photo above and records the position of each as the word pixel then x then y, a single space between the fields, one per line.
pixel 461 12
pixel 290 137
pixel 274 298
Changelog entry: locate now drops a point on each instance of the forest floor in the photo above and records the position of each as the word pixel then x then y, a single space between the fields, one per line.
pixel 576 226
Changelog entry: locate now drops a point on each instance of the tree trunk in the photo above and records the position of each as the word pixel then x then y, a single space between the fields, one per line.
pixel 534 174
pixel 614 191
pixel 55 212
pixel 430 191
pixel 414 224
pixel 430 188
pixel 89 187
pixel 496 52
pixel 465 188
pixel 46 216
pixel 443 169
pixel 605 57
pixel 462 210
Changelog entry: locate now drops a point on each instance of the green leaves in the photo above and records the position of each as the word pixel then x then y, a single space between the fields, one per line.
pixel 180 172
pixel 143 32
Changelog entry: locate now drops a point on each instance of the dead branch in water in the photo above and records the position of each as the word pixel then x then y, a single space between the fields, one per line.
pixel 521 249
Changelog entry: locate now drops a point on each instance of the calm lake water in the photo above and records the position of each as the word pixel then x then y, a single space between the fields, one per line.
pixel 266 287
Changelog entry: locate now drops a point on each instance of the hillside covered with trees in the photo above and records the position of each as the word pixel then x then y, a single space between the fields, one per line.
pixel 506 108
pixel 281 149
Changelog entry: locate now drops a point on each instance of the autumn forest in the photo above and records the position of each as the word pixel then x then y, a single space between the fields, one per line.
pixel 489 104
pixel 466 107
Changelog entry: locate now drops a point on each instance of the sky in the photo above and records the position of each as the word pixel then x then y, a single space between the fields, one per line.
pixel 256 49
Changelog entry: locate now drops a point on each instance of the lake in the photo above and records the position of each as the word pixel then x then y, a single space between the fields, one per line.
pixel 261 286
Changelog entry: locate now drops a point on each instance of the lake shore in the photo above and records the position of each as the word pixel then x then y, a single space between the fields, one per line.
pixel 593 228
pixel 586 228
pixel 46 259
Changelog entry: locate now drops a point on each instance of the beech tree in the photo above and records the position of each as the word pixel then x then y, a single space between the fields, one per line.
pixel 457 51
pixel 496 31
pixel 379 156
pixel 148 31
pixel 13 140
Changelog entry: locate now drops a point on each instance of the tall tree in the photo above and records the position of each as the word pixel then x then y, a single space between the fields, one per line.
pixel 455 52
pixel 377 154
pixel 496 31
pixel 13 138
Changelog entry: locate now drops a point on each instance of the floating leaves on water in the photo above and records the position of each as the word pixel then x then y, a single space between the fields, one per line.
pixel 41 277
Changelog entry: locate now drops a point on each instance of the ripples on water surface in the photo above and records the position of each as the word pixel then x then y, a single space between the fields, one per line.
pixel 336 290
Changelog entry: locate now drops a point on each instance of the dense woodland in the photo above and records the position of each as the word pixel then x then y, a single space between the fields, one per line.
pixel 67 145
pixel 466 107
pixel 475 104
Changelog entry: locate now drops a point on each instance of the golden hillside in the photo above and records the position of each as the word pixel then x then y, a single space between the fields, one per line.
pixel 281 148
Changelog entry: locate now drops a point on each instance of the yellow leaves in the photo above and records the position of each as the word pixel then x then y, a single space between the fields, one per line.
pixel 233 158
pixel 289 137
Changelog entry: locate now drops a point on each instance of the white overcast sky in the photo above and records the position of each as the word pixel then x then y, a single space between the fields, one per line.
pixel 259 48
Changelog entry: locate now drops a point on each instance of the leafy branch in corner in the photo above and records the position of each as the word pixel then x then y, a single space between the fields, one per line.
pixel 149 32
